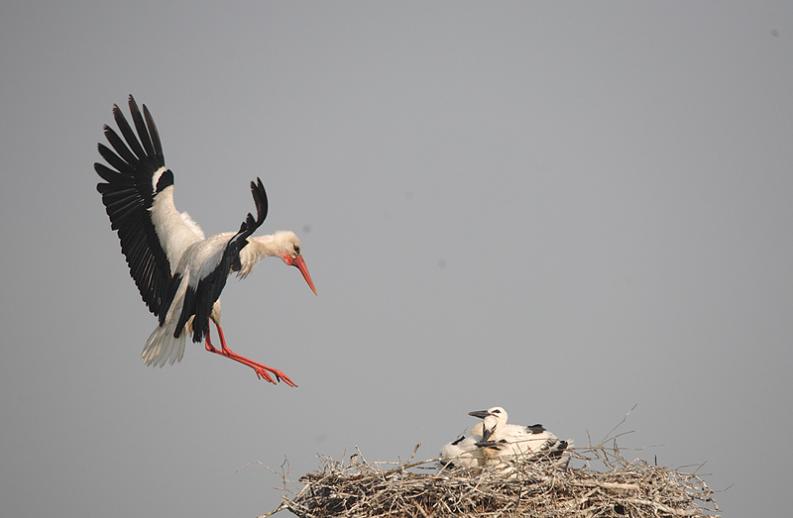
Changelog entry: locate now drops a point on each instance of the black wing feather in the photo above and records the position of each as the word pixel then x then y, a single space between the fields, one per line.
pixel 108 174
pixel 143 133
pixel 128 194
pixel 126 130
pixel 121 149
pixel 115 161
pixel 155 136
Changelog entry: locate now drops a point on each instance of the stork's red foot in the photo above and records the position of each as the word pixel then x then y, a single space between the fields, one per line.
pixel 262 371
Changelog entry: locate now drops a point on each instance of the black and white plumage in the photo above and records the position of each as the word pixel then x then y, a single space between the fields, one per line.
pixel 506 442
pixel 465 451
pixel 495 442
pixel 179 272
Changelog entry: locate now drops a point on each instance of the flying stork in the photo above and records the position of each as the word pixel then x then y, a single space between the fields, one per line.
pixel 178 271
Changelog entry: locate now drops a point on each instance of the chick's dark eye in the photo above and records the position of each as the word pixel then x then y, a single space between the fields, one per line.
pixel 496 411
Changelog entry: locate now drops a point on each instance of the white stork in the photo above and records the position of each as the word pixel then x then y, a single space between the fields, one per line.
pixel 178 271
pixel 465 450
pixel 502 441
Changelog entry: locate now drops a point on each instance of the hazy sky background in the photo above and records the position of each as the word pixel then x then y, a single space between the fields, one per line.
pixel 562 208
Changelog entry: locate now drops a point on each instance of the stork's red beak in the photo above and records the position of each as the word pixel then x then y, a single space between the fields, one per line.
pixel 300 264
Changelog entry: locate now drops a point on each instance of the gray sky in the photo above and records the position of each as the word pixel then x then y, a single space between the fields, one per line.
pixel 561 208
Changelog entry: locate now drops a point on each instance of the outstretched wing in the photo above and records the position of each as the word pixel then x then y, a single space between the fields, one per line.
pixel 199 301
pixel 135 193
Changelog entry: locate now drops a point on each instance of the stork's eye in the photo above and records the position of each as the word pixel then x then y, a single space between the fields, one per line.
pixel 496 411
pixel 297 250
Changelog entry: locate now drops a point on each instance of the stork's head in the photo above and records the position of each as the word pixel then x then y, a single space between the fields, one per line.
pixel 287 247
pixel 492 417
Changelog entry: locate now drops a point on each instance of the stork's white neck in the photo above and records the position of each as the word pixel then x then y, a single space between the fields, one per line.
pixel 265 245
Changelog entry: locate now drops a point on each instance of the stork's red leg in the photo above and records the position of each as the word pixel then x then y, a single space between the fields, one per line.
pixel 228 353
pixel 260 369
pixel 208 346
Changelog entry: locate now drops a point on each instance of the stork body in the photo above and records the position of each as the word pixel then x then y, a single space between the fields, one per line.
pixel 504 442
pixel 179 272
pixel 464 451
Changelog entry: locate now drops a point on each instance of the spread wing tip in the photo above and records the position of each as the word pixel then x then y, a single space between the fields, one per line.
pixel 260 199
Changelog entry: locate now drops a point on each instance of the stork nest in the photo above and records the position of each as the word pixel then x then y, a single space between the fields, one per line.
pixel 599 482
